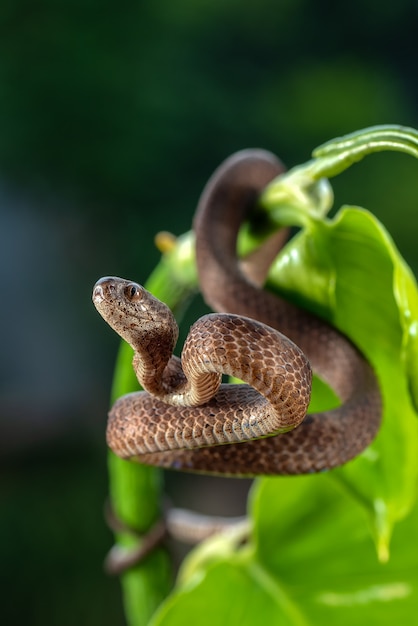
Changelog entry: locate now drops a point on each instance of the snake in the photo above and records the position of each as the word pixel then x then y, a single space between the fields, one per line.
pixel 186 418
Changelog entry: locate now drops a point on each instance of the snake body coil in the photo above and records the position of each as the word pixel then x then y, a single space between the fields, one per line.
pixel 185 419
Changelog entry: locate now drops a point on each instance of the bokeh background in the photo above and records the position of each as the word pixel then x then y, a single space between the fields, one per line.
pixel 112 117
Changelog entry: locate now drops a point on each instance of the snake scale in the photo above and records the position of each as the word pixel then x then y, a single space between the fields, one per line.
pixel 186 419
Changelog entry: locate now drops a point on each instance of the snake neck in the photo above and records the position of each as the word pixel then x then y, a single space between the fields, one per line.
pixel 165 379
pixel 153 352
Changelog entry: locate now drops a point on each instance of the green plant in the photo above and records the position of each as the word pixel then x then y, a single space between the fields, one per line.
pixel 310 557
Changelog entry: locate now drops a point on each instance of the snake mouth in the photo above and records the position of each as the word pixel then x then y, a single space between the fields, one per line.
pixel 98 295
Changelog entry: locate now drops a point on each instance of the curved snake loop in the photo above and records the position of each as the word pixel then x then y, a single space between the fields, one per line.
pixel 186 419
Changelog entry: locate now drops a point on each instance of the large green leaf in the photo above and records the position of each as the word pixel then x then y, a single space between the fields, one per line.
pixel 315 541
pixel 313 563
pixel 350 269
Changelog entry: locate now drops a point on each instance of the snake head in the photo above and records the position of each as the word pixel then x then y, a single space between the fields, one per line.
pixel 133 312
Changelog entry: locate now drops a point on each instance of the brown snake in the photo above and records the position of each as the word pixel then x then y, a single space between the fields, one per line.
pixel 185 419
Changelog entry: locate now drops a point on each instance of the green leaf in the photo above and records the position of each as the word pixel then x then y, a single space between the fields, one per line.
pixel 349 270
pixel 231 592
pixel 311 536
pixel 313 563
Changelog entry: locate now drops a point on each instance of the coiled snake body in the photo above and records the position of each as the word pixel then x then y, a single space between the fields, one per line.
pixel 186 419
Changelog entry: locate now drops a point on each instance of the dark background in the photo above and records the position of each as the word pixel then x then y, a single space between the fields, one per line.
pixel 112 116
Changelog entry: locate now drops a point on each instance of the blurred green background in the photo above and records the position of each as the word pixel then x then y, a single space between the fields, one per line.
pixel 112 117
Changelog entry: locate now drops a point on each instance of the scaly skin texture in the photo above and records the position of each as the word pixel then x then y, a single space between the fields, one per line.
pixel 186 419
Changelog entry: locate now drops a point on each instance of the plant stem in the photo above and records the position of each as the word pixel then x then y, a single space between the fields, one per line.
pixel 136 490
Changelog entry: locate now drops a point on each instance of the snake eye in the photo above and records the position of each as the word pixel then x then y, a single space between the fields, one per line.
pixel 133 292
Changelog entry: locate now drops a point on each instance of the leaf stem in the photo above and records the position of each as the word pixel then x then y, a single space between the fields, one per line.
pixel 303 193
